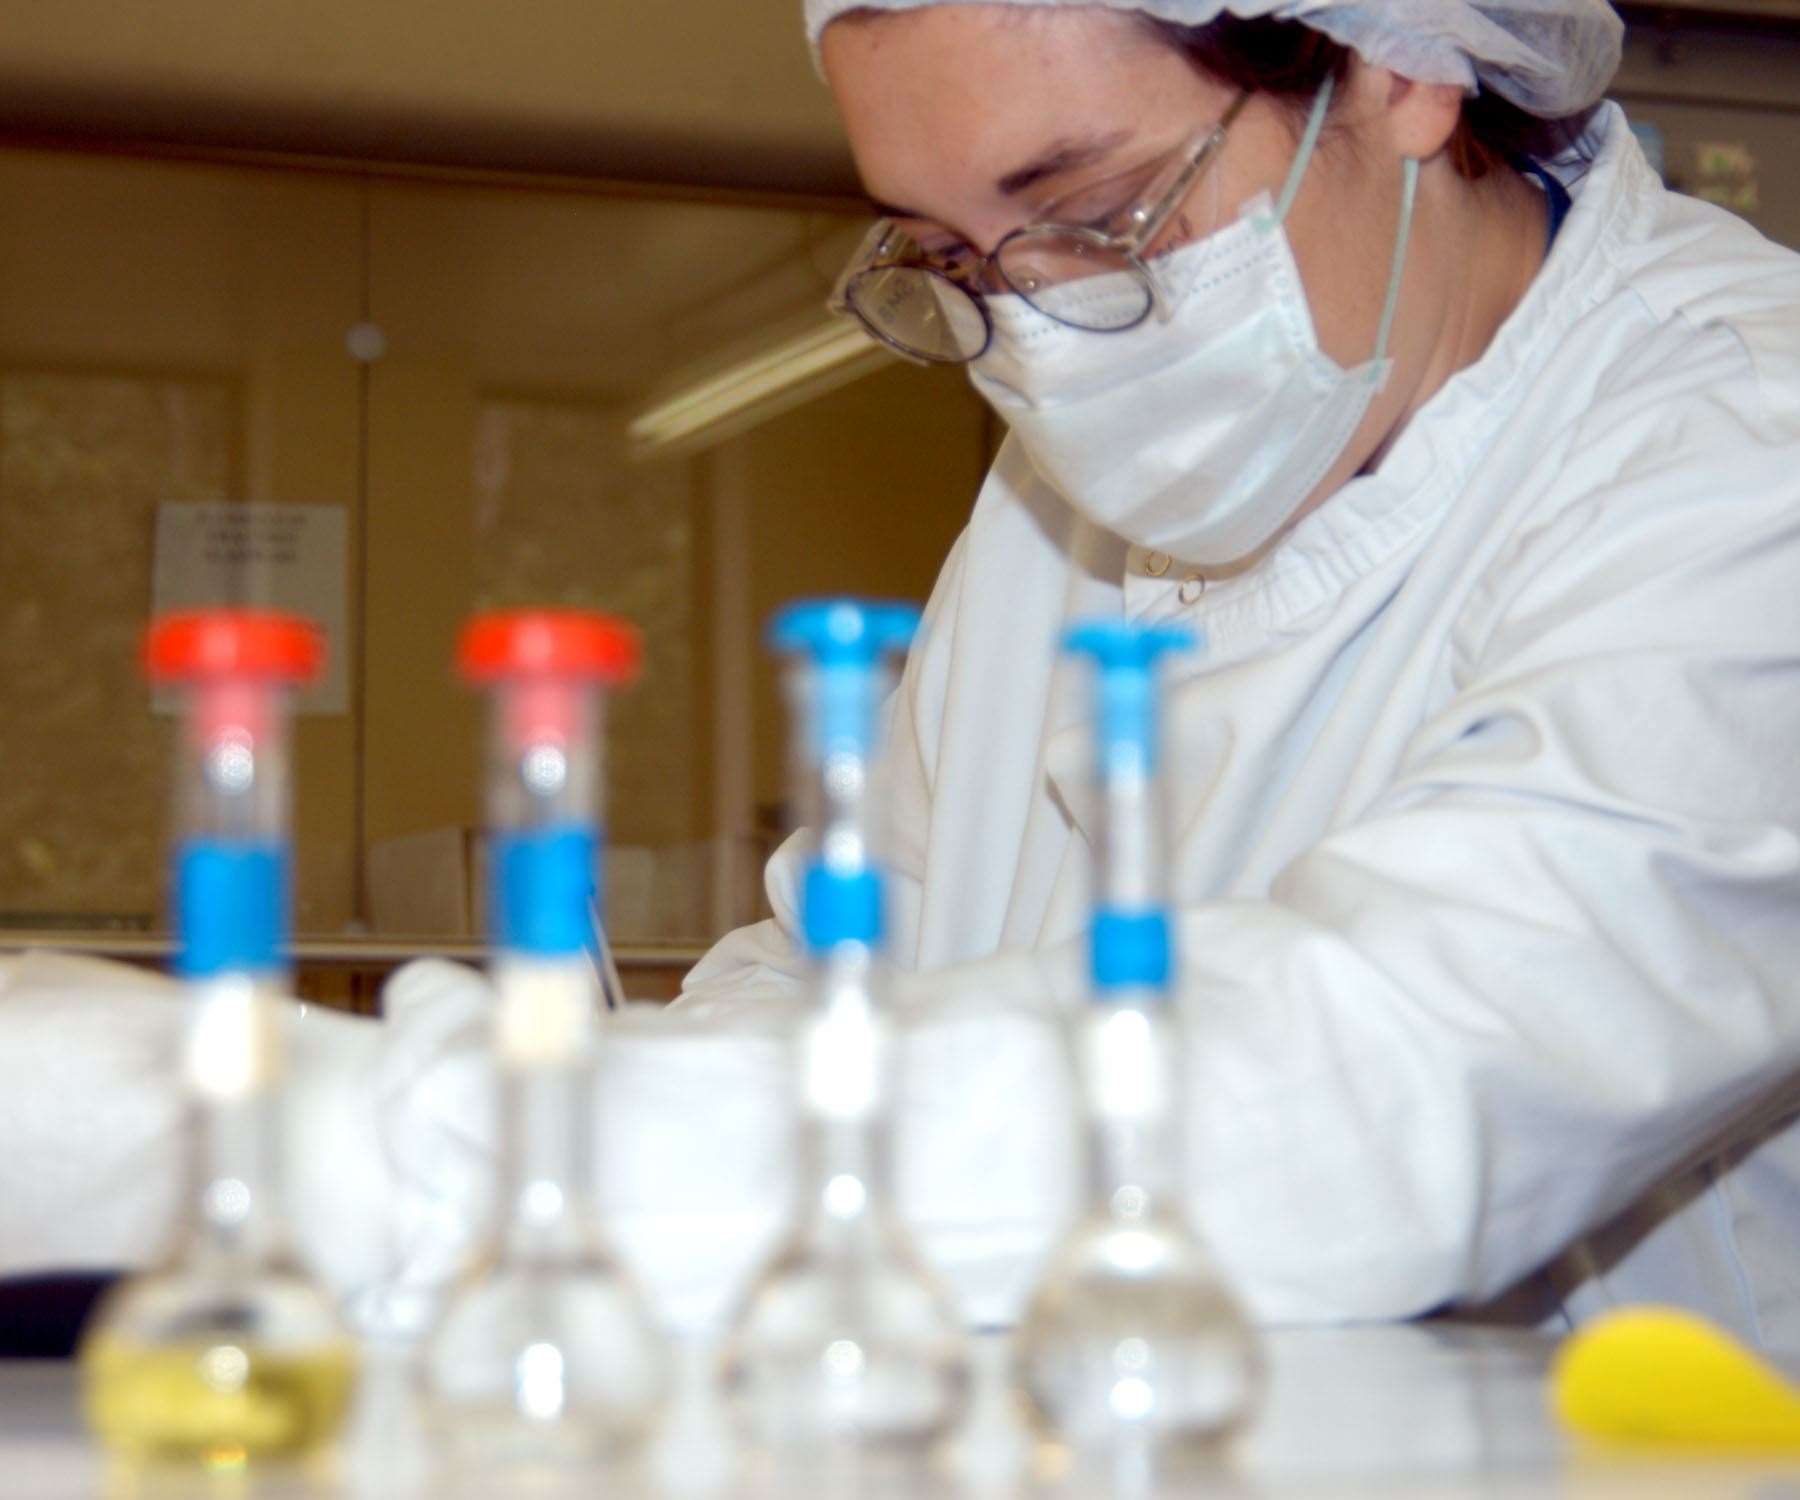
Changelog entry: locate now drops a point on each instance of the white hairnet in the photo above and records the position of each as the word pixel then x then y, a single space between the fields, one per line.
pixel 1550 57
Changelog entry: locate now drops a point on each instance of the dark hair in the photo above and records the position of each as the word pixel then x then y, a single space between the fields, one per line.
pixel 1289 60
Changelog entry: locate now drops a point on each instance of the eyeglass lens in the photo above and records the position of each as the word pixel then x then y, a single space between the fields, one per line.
pixel 919 310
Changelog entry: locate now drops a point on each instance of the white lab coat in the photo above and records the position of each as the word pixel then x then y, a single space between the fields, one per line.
pixel 1483 809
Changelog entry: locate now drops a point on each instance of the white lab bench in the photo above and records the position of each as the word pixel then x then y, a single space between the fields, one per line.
pixel 1440 1411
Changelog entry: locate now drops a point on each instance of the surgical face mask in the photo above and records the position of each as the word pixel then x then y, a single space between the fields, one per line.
pixel 1201 433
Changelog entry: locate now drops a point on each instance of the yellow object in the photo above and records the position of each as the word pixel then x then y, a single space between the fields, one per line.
pixel 1658 1377
pixel 220 1404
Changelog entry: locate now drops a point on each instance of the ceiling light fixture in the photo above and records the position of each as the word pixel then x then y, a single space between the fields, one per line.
pixel 744 387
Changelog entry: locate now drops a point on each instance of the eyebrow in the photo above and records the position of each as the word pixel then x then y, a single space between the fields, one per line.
pixel 1062 156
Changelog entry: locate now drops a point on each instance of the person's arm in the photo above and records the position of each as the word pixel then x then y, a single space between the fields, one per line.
pixel 1559 958
pixel 93 1117
pixel 760 964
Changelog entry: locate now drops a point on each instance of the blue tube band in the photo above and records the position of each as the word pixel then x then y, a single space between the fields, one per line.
pixel 838 907
pixel 540 881
pixel 231 906
pixel 1130 949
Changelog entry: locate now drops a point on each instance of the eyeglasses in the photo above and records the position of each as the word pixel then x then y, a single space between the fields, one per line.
pixel 928 302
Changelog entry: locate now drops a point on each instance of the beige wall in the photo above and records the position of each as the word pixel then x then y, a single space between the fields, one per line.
pixel 131 281
pixel 862 492
pixel 226 294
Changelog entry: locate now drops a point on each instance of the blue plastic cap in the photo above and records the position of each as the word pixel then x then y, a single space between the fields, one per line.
pixel 1127 656
pixel 844 641
pixel 1120 646
pixel 843 632
pixel 1130 949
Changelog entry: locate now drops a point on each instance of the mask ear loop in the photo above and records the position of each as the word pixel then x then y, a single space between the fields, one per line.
pixel 1315 122
pixel 1409 188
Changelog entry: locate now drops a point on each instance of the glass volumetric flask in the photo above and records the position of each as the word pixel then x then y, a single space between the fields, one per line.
pixel 545 1351
pixel 1132 1341
pixel 845 1350
pixel 231 1353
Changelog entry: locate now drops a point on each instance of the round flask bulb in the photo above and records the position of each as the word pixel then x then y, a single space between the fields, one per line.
pixel 183 1367
pixel 1133 1337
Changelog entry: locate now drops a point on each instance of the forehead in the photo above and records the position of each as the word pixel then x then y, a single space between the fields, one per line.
pixel 951 95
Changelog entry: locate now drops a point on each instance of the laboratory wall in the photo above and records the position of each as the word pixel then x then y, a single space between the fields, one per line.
pixel 423 387
pixel 168 336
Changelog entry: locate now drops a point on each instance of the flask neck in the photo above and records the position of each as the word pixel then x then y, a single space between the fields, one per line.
pixel 236 1211
pixel 1129 941
pixel 1128 851
pixel 833 769
pixel 1129 1052
pixel 232 1068
pixel 845 1065
pixel 1129 1058
pixel 544 1159
pixel 545 1024
pixel 844 1181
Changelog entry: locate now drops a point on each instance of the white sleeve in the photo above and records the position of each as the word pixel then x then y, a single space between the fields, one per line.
pixel 92 1113
pixel 763 962
pixel 1559 958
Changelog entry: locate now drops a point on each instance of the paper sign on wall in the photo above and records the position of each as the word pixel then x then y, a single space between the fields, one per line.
pixel 1725 174
pixel 286 557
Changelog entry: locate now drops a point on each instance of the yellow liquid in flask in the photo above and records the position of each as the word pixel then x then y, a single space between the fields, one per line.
pixel 218 1403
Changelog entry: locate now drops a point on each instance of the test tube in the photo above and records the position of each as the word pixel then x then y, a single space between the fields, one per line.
pixel 846 1350
pixel 1132 1342
pixel 230 1353
pixel 545 1351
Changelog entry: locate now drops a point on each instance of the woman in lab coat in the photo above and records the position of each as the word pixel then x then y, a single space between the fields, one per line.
pixel 1484 490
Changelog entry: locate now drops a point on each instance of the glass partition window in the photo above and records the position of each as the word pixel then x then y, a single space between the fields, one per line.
pixel 408 401
pixel 85 461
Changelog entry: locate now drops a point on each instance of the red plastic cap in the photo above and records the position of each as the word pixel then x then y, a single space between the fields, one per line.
pixel 549 643
pixel 222 643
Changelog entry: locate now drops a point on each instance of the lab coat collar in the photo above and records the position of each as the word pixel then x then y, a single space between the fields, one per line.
pixel 1378 521
pixel 1373 518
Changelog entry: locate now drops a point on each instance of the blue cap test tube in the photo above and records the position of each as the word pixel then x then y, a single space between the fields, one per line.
pixel 1132 1344
pixel 846 1348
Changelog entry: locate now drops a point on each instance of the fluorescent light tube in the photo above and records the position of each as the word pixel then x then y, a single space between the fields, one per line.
pixel 735 393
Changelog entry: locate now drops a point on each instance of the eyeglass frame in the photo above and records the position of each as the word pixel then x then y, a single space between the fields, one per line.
pixel 1146 218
